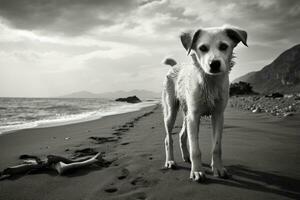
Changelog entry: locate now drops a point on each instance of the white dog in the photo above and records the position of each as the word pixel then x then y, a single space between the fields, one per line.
pixel 201 88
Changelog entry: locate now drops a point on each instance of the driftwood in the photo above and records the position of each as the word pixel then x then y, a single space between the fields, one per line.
pixel 58 163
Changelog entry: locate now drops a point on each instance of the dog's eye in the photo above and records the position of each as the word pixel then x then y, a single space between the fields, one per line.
pixel 203 48
pixel 223 47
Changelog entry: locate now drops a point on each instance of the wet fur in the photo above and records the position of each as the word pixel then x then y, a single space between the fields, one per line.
pixel 199 93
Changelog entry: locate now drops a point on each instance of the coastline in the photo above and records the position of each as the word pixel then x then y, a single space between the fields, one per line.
pixel 78 118
pixel 50 139
pixel 255 151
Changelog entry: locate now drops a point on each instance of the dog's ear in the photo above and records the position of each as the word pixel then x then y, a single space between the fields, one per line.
pixel 237 35
pixel 188 39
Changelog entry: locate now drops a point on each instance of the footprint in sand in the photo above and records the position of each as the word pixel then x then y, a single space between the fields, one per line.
pixel 122 129
pixel 111 190
pixel 140 117
pixel 84 152
pixel 124 174
pixel 140 181
pixel 101 140
pixel 136 119
pixel 117 133
pixel 139 195
pixel 130 124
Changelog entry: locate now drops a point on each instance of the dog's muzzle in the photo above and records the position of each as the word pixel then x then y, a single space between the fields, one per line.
pixel 215 66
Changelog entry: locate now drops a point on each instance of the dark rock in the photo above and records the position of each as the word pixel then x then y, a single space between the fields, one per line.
pixel 291 108
pixel 275 95
pixel 131 99
pixel 257 110
pixel 288 114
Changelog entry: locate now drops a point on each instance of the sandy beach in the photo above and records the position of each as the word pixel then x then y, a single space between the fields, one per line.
pixel 260 151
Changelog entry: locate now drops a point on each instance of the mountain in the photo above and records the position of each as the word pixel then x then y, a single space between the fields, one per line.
pixel 282 75
pixel 142 94
pixel 81 94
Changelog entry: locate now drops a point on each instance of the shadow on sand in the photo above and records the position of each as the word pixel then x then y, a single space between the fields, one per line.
pixel 246 178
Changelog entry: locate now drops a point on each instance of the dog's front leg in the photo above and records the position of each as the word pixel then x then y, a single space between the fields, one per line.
pixel 216 162
pixel 197 172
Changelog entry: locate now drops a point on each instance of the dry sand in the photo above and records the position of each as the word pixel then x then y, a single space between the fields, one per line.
pixel 261 151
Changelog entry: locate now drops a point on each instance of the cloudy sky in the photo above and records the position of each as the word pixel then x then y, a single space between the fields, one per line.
pixel 55 47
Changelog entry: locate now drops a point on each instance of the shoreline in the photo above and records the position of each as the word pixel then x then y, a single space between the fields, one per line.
pixel 57 139
pixel 66 121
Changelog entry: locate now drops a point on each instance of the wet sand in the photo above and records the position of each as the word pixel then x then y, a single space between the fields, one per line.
pixel 262 153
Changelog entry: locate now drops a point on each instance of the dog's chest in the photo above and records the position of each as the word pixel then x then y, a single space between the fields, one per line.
pixel 205 101
pixel 201 103
pixel 203 97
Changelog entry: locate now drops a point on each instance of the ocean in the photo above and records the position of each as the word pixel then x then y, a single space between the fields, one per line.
pixel 21 113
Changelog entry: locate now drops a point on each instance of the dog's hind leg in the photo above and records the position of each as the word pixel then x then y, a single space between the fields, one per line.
pixel 170 105
pixel 183 142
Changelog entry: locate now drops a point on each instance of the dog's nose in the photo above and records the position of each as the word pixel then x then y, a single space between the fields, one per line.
pixel 215 66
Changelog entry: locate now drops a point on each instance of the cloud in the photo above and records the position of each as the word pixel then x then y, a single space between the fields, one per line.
pixel 266 20
pixel 69 17
pixel 85 44
pixel 150 17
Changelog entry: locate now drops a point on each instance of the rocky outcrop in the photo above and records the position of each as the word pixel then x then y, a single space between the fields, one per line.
pixel 280 106
pixel 131 99
pixel 282 75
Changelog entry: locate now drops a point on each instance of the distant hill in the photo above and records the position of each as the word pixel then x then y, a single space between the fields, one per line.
pixel 81 94
pixel 282 75
pixel 142 94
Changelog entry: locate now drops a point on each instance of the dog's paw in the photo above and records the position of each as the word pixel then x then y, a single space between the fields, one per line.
pixel 220 172
pixel 198 176
pixel 170 164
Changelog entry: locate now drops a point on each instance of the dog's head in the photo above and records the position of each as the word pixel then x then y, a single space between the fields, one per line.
pixel 212 47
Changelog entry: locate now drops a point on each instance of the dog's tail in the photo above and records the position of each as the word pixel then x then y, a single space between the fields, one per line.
pixel 169 61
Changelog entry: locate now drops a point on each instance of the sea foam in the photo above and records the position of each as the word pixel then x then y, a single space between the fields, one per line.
pixel 24 113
